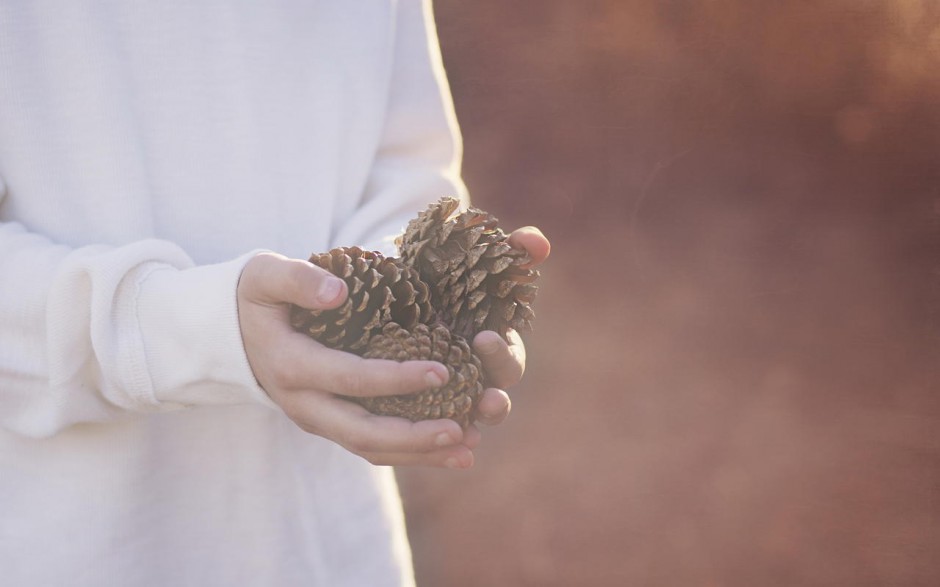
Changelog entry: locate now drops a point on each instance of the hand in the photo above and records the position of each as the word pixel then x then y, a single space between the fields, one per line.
pixel 305 378
pixel 504 361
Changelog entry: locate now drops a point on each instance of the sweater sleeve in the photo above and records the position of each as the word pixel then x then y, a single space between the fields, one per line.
pixel 93 333
pixel 419 154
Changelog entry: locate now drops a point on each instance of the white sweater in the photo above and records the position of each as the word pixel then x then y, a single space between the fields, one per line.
pixel 145 148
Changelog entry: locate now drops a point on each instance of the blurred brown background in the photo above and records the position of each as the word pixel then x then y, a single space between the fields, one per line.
pixel 734 375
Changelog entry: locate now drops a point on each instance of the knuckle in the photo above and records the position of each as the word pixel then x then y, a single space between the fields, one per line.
pixel 295 276
pixel 417 444
pixel 352 382
pixel 510 372
pixel 284 377
pixel 356 442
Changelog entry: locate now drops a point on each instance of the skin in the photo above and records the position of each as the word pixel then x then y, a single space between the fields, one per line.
pixel 304 377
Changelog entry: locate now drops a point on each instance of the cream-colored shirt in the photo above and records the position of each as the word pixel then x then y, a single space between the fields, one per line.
pixel 145 149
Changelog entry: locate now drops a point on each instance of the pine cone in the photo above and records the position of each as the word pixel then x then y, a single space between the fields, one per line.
pixel 457 275
pixel 478 281
pixel 455 400
pixel 381 289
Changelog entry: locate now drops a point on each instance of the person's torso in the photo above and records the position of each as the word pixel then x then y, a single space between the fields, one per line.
pixel 219 126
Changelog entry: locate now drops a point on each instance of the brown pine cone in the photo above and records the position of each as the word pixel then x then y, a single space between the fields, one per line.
pixel 478 281
pixel 381 289
pixel 456 400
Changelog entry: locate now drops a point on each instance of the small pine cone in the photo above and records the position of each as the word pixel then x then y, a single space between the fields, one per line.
pixel 478 281
pixel 381 289
pixel 456 400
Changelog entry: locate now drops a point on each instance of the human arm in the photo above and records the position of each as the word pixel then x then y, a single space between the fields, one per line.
pixel 96 333
pixel 91 334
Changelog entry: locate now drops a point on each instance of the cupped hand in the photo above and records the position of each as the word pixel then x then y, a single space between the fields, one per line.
pixel 504 361
pixel 306 379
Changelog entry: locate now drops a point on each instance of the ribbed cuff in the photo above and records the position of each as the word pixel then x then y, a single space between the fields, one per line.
pixel 192 342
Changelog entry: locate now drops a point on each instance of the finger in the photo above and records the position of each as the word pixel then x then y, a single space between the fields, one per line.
pixel 472 437
pixel 270 278
pixel 504 363
pixel 533 241
pixel 353 427
pixel 459 457
pixel 304 364
pixel 493 408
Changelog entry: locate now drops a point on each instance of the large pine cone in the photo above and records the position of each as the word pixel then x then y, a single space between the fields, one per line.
pixel 478 281
pixel 456 400
pixel 381 289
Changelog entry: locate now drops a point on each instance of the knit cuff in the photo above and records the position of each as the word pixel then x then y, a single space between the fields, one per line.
pixel 192 342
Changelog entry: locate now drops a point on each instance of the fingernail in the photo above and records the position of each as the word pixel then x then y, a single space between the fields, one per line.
pixel 329 289
pixel 444 439
pixel 433 378
pixel 489 346
pixel 452 463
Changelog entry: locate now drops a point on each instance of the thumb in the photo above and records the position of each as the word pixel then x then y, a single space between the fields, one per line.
pixel 533 241
pixel 270 278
